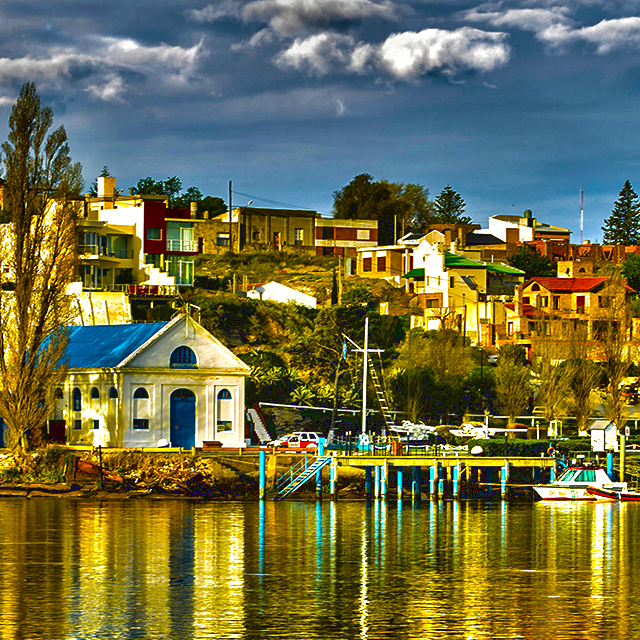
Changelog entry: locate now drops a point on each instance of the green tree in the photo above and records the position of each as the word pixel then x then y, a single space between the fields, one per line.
pixel 406 205
pixel 450 207
pixel 208 206
pixel 170 187
pixel 623 225
pixel 513 387
pixel 534 265
pixel 41 192
pixel 631 271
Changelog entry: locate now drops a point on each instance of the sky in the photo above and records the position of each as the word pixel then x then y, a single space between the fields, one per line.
pixel 515 104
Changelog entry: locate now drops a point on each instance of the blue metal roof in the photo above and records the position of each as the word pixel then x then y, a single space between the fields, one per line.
pixel 94 347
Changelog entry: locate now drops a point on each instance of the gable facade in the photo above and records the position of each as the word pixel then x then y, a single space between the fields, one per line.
pixel 180 385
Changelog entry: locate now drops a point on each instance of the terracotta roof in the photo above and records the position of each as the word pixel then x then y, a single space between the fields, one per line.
pixel 568 285
pixel 527 309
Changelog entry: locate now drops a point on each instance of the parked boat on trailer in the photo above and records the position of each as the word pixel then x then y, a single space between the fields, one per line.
pixel 576 479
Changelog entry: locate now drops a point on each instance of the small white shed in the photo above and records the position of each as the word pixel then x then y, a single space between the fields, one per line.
pixel 604 436
pixel 281 293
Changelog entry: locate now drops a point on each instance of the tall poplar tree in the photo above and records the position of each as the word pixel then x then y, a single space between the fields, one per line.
pixel 623 225
pixel 38 260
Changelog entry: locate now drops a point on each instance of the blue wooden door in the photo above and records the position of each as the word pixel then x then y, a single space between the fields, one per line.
pixel 182 419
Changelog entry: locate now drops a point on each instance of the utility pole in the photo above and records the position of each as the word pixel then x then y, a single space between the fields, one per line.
pixel 230 220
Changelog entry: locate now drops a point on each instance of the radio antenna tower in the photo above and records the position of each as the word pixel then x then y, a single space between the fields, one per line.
pixel 581 213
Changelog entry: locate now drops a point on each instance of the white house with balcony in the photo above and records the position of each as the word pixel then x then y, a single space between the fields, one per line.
pixel 135 385
pixel 134 241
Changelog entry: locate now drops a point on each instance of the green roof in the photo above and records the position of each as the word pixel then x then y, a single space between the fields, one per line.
pixel 454 260
pixel 498 267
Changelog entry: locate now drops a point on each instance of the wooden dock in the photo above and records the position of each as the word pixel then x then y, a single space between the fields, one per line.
pixel 456 475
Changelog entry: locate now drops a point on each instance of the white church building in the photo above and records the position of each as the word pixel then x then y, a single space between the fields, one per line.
pixel 135 385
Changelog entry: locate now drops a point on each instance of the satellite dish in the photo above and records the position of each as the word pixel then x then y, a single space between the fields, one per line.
pixel 163 442
pixel 477 450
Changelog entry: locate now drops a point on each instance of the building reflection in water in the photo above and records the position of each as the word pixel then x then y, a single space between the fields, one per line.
pixel 177 569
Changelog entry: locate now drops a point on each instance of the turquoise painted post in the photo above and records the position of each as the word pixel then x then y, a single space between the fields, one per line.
pixel 399 484
pixel 552 475
pixel 488 477
pixel 384 477
pixel 455 474
pixel 432 481
pixel 416 483
pixel 441 476
pixel 610 464
pixel 376 482
pixel 319 472
pixel 536 475
pixel 263 474
pixel 504 478
pixel 368 481
pixel 333 473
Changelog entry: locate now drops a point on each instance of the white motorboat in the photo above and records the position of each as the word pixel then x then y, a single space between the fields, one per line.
pixel 573 483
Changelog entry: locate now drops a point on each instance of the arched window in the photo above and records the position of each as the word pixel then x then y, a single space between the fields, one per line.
pixel 224 410
pixel 183 358
pixel 113 393
pixel 140 408
pixel 95 394
pixel 76 397
pixel 535 287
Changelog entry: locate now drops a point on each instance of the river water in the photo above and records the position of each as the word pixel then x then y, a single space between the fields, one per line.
pixel 181 570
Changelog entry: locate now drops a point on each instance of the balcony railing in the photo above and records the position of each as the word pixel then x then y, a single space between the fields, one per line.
pixel 97 250
pixel 190 246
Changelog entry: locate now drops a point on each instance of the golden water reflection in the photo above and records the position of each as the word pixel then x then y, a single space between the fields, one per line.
pixel 177 569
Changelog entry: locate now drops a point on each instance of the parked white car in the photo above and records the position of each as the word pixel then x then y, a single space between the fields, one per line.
pixel 299 440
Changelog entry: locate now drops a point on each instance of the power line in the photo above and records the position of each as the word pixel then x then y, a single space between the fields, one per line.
pixel 281 204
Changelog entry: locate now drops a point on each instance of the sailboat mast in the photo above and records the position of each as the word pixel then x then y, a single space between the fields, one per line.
pixel 364 375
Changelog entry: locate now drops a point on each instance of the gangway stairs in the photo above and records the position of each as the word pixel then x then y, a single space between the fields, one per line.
pixel 258 424
pixel 381 395
pixel 299 476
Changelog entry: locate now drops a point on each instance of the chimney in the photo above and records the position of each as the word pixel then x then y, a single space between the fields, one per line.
pixel 194 210
pixel 106 187
pixel 518 301
pixel 462 237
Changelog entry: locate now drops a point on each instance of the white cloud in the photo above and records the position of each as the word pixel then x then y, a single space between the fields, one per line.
pixel 319 54
pixel 605 36
pixel 404 56
pixel 112 91
pixel 102 61
pixel 554 27
pixel 292 17
pixel 412 54
pixel 217 11
pixel 536 19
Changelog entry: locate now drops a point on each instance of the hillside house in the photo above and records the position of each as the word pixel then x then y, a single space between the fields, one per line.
pixel 592 302
pixel 134 241
pixel 281 293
